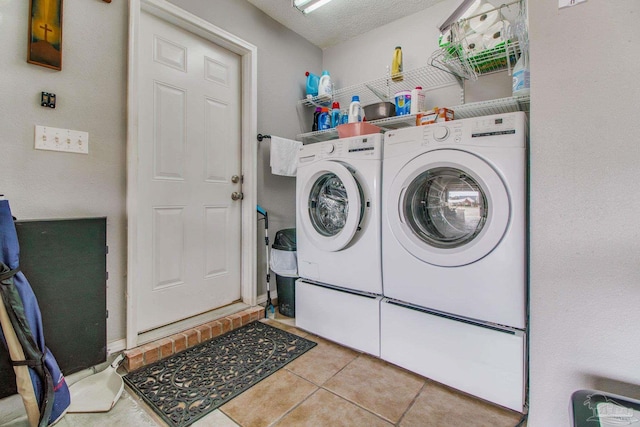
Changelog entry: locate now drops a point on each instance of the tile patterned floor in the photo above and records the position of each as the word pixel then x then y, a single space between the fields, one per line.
pixel 328 386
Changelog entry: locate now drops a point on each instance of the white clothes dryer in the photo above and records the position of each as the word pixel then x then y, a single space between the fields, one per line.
pixel 454 218
pixel 338 213
pixel 454 255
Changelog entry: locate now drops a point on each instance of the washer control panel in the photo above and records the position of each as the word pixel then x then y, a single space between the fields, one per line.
pixel 364 147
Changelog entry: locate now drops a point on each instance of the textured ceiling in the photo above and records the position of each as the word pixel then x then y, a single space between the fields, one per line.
pixel 340 20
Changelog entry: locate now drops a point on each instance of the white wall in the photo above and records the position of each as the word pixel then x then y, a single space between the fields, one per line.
pixel 90 93
pixel 283 58
pixel 585 238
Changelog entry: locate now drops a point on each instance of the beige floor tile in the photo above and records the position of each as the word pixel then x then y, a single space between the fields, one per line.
pixel 215 419
pixel 326 409
pixel 286 327
pixel 269 400
pixel 322 362
pixel 440 406
pixel 377 386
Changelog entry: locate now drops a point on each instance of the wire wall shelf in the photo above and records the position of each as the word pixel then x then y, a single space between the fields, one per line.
pixel 385 88
pixel 463 111
pixel 455 61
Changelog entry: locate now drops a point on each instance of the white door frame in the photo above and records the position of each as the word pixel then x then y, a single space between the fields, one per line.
pixel 249 54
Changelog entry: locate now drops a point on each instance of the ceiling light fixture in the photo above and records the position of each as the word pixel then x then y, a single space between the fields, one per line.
pixel 308 6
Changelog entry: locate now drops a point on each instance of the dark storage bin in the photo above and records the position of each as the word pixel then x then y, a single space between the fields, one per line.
pixel 284 264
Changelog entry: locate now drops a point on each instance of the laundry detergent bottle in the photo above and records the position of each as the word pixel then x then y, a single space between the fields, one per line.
pixel 355 110
pixel 324 86
pixel 316 114
pixel 312 84
pixel 335 114
pixel 521 76
pixel 324 119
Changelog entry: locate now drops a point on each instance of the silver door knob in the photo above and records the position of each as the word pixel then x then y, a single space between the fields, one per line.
pixel 237 196
pixel 235 179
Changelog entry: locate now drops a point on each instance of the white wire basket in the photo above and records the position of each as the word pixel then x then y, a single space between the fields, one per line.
pixel 482 43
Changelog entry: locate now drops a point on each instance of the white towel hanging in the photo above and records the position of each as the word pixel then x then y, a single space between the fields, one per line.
pixel 284 156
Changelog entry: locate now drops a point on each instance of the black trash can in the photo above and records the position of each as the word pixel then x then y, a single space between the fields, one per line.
pixel 285 265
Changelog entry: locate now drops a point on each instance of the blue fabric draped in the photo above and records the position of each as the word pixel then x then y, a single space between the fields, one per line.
pixel 10 256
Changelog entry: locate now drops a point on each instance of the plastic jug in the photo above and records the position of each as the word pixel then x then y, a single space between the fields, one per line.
pixel 355 110
pixel 521 77
pixel 316 115
pixel 312 84
pixel 324 119
pixel 335 114
pixel 324 85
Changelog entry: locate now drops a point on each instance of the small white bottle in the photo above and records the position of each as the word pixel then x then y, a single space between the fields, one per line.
pixel 355 110
pixel 418 100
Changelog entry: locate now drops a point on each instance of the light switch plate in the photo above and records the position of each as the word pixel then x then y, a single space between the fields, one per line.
pixel 65 140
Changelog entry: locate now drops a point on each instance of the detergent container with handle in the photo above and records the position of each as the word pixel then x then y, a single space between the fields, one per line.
pixel 324 119
pixel 355 110
pixel 324 86
pixel 312 84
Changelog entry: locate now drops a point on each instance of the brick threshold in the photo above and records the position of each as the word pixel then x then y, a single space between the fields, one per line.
pixel 151 352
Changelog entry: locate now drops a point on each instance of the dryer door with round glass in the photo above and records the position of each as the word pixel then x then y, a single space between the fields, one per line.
pixel 448 202
pixel 334 207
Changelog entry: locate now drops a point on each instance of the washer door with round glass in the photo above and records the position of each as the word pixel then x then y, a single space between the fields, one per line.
pixel 334 207
pixel 448 208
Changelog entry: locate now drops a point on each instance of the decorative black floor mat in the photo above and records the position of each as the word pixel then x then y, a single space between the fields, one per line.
pixel 187 386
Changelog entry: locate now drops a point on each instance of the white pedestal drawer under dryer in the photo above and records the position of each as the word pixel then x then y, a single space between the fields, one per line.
pixel 454 253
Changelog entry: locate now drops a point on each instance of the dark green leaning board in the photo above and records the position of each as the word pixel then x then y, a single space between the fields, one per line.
pixel 65 262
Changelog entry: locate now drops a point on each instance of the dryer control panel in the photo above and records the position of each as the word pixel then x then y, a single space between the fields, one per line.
pixel 491 126
pixel 451 132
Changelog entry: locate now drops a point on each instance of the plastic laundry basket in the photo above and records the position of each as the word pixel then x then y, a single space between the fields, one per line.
pixel 285 264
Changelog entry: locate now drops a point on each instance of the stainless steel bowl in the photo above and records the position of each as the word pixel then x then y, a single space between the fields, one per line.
pixel 379 110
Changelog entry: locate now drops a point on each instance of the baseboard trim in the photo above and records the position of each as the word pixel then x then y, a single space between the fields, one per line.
pixel 116 346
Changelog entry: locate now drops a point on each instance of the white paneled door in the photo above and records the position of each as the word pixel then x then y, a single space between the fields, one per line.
pixel 189 164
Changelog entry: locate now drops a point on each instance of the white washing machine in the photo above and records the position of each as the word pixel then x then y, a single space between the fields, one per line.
pixel 454 254
pixel 338 241
pixel 338 213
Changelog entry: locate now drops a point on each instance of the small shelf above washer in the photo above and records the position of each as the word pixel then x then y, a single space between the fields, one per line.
pixel 463 111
